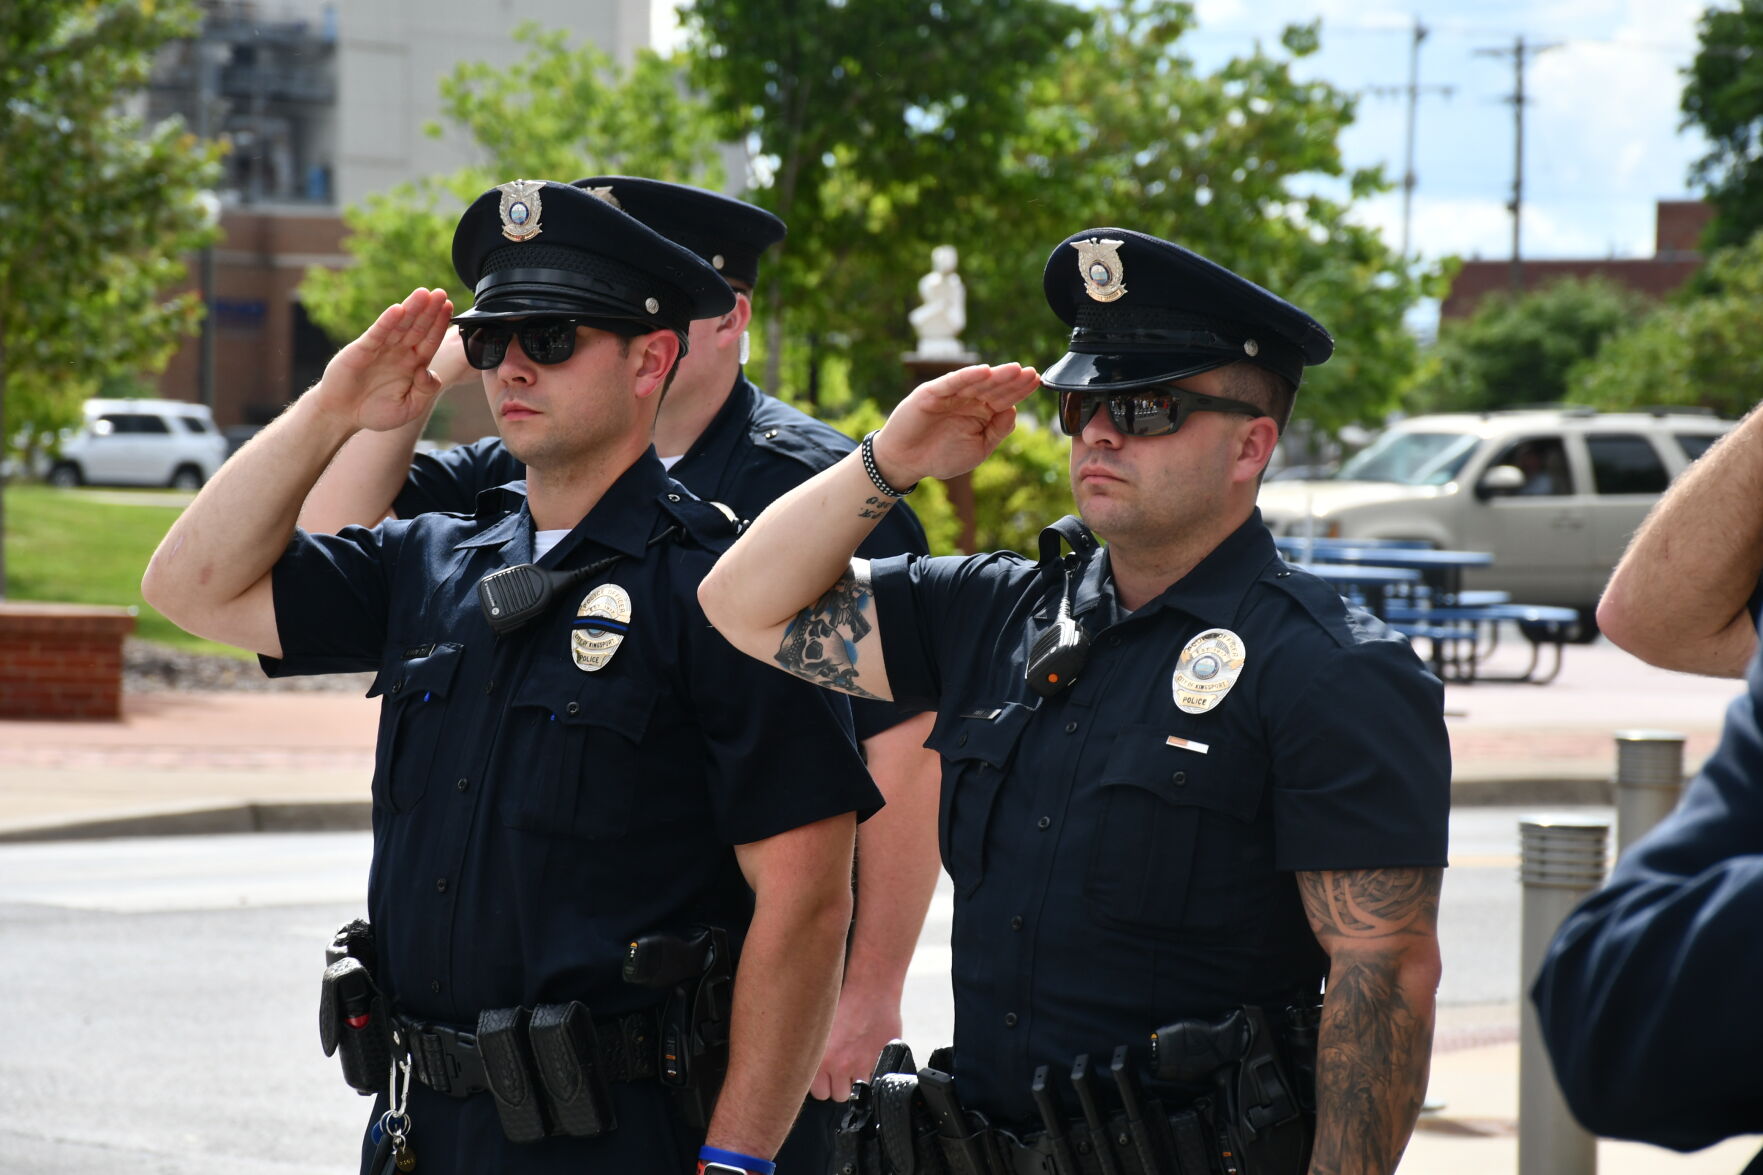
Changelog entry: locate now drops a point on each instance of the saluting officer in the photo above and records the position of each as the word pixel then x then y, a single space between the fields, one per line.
pixel 564 771
pixel 1180 776
pixel 728 442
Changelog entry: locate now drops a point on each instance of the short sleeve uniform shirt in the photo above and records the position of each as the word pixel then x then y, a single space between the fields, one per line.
pixel 529 817
pixel 1120 863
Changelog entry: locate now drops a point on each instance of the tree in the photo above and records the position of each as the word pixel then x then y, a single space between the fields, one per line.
pixel 1522 350
pixel 1699 351
pixel 561 112
pixel 99 209
pixel 1724 98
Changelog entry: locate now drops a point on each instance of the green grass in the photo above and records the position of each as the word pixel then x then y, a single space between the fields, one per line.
pixel 73 547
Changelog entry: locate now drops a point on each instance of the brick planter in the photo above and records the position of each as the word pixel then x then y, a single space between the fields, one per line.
pixel 62 660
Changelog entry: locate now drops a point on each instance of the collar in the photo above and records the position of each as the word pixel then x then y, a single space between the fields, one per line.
pixel 1213 591
pixel 622 520
pixel 707 460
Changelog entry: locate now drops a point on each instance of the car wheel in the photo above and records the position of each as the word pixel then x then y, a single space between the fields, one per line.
pixel 187 477
pixel 65 474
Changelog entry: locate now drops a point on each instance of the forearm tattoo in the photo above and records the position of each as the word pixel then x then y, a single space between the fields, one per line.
pixel 1375 1047
pixel 820 644
pixel 874 507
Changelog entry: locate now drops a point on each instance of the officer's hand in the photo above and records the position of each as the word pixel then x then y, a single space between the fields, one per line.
pixel 382 379
pixel 952 423
pixel 861 1026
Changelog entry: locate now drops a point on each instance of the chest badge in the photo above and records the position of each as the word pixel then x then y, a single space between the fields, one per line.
pixel 1209 665
pixel 600 626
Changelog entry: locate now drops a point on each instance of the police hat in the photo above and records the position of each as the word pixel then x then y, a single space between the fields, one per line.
pixel 728 233
pixel 1145 311
pixel 538 247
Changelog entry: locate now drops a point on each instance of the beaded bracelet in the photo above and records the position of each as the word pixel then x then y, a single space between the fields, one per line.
pixel 867 448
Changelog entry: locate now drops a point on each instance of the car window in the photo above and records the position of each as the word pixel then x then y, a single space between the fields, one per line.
pixel 1543 461
pixel 1624 463
pixel 1411 458
pixel 194 424
pixel 135 422
pixel 1694 444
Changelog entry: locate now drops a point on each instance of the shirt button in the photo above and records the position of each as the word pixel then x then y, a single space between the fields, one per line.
pixel 463 784
pixel 1179 779
pixel 1044 822
pixel 397 685
pixel 1016 922
pixel 1070 727
pixel 962 741
pixel 573 709
pixel 489 687
pixel 673 497
pixel 435 986
pixel 1010 1019
pixel 440 885
pixel 1114 642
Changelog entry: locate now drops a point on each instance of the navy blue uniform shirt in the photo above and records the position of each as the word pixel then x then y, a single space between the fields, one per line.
pixel 531 818
pixel 1118 863
pixel 1647 995
pixel 756 449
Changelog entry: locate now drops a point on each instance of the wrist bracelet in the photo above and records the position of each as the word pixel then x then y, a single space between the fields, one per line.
pixel 715 1154
pixel 867 448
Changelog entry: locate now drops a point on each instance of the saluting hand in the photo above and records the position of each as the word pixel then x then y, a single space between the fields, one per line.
pixel 950 424
pixel 382 380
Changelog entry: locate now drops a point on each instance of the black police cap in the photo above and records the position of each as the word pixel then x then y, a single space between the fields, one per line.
pixel 1145 311
pixel 539 247
pixel 728 233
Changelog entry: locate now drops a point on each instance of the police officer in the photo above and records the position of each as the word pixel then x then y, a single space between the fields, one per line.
pixel 1180 776
pixel 732 443
pixel 590 770
pixel 1644 994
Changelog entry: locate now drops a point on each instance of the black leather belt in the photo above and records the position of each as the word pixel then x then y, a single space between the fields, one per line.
pixel 447 1059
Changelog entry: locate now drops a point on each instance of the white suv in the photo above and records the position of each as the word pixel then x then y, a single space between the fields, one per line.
pixel 1553 494
pixel 143 443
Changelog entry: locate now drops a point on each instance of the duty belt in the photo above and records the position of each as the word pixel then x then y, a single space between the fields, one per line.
pixel 448 1060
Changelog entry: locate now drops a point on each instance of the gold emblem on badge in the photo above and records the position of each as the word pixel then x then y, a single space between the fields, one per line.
pixel 600 626
pixel 1209 665
pixel 1098 262
pixel 520 208
pixel 605 195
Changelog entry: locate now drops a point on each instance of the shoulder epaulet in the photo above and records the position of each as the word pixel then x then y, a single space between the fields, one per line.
pixel 710 524
pixel 1340 620
pixel 792 433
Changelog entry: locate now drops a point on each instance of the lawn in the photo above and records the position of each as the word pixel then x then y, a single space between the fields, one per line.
pixel 77 547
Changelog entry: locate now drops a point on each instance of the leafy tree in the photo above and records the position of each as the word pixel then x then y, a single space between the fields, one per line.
pixel 99 209
pixel 1724 98
pixel 1522 350
pixel 561 112
pixel 1700 351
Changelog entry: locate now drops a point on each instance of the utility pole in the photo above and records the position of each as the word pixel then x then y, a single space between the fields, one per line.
pixel 1411 92
pixel 1520 53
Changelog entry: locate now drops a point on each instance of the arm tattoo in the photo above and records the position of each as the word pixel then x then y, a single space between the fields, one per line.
pixel 1376 1041
pixel 820 644
pixel 874 507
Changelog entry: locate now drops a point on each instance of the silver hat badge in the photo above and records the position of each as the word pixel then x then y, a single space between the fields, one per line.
pixel 1098 262
pixel 520 209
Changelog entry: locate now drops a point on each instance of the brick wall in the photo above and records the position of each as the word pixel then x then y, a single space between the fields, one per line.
pixel 62 660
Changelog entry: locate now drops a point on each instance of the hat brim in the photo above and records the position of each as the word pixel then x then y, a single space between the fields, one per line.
pixel 1080 371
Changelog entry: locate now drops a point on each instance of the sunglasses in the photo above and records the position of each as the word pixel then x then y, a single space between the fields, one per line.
pixel 544 340
pixel 1144 412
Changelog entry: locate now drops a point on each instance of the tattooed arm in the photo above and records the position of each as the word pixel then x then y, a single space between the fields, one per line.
pixel 1380 929
pixel 789 590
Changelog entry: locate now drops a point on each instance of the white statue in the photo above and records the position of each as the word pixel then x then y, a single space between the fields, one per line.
pixel 944 312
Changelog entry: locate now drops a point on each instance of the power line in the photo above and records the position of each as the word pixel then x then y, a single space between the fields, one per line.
pixel 1412 91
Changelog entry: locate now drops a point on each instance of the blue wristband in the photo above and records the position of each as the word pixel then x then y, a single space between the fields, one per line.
pixel 715 1154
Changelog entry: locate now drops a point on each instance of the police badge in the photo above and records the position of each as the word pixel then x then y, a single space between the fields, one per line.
pixel 1209 665
pixel 600 626
pixel 520 209
pixel 1098 261
pixel 605 195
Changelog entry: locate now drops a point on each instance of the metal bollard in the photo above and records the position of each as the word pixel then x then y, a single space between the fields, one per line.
pixel 1649 778
pixel 1561 860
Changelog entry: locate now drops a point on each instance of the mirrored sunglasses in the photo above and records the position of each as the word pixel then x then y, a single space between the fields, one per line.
pixel 1144 412
pixel 543 340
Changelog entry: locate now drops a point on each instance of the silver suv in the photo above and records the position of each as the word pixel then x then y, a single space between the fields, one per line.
pixel 141 443
pixel 1553 494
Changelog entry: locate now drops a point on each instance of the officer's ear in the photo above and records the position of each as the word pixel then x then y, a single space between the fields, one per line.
pixel 1255 445
pixel 731 326
pixel 653 357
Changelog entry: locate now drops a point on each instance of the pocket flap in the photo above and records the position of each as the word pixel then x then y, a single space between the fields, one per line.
pixel 574 698
pixel 1224 777
pixel 987 736
pixel 419 671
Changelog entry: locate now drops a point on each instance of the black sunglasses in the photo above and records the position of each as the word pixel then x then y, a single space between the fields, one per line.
pixel 544 340
pixel 1144 412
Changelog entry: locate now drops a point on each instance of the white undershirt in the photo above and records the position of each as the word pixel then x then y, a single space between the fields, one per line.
pixel 544 540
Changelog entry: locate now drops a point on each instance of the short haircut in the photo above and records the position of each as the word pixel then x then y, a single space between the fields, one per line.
pixel 1265 389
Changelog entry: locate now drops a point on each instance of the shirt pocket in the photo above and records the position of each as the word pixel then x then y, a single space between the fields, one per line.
pixel 415 682
pixel 977 749
pixel 573 763
pixel 1176 846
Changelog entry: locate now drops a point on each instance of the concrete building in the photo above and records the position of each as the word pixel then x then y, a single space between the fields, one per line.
pixel 324 103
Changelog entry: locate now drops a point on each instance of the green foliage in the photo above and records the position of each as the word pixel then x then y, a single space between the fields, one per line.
pixel 1523 350
pixel 71 546
pixel 1724 98
pixel 99 209
pixel 1700 351
pixel 561 112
